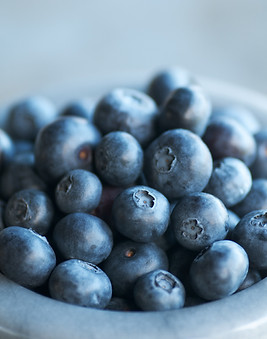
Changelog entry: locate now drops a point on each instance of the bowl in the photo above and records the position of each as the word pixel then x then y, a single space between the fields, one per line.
pixel 26 314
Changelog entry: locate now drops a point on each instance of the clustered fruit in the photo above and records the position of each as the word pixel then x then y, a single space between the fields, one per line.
pixel 144 200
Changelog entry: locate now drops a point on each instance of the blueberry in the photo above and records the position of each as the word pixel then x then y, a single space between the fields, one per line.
pixel 78 191
pixel 25 256
pixel 226 137
pixel 259 166
pixel 159 291
pixel 186 107
pixel 130 260
pixel 63 145
pixel 239 113
pixel 219 270
pixel 198 220
pixel 20 174
pixel 141 213
pixel 80 283
pixel 166 81
pixel 230 181
pixel 83 108
pixel 127 110
pixel 177 163
pixel 30 209
pixel 254 200
pixel 83 236
pixel 251 234
pixel 28 116
pixel 119 159
pixel 253 276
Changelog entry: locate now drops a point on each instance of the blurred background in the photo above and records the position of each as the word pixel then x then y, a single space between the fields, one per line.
pixel 56 44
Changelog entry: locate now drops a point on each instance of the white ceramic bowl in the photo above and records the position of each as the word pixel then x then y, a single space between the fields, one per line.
pixel 25 314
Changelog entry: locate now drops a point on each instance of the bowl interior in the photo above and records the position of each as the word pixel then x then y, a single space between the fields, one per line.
pixel 25 314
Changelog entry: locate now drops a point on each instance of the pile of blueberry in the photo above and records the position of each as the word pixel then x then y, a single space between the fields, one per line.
pixel 144 200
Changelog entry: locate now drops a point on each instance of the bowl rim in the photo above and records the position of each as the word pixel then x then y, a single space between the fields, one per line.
pixel 26 314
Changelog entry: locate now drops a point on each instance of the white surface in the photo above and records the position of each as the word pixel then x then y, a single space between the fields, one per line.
pixel 54 43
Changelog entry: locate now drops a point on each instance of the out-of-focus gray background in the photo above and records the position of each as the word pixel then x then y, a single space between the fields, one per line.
pixel 51 44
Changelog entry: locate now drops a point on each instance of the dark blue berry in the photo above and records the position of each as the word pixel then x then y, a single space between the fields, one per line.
pixel 80 283
pixel 226 137
pixel 30 209
pixel 141 213
pixel 239 113
pixel 83 236
pixel 219 270
pixel 119 159
pixel 256 198
pixel 25 256
pixel 159 291
pixel 127 110
pixel 186 107
pixel 83 108
pixel 28 116
pixel 63 145
pixel 166 81
pixel 177 163
pixel 78 191
pixel 198 220
pixel 251 234
pixel 230 181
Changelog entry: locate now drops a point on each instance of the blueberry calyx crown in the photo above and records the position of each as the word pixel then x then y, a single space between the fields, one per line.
pixel 144 199
pixel 259 220
pixel 165 282
pixel 164 159
pixel 191 228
